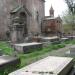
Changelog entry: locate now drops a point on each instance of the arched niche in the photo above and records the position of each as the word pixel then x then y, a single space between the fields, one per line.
pixel 23 20
pixel 23 17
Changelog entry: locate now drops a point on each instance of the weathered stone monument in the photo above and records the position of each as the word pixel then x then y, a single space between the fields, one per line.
pixel 28 47
pixel 18 26
pixel 8 64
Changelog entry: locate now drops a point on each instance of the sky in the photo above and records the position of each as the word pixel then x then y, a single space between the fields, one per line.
pixel 59 7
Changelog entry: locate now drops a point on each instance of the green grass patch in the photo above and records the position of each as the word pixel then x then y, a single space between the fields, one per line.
pixel 6 48
pixel 34 56
pixel 30 57
pixel 71 41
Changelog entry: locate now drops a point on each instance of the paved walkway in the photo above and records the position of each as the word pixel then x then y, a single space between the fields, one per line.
pixel 60 52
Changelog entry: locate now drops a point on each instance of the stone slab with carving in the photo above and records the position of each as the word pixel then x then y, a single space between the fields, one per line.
pixel 9 64
pixel 50 65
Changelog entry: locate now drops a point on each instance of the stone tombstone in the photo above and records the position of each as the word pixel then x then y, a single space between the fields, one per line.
pixel 50 65
pixel 8 64
pixel 28 47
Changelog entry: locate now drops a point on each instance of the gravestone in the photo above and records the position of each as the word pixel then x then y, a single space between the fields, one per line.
pixel 71 37
pixel 46 44
pixel 54 39
pixel 18 24
pixel 64 39
pixel 17 32
pixel 28 47
pixel 8 64
pixel 48 66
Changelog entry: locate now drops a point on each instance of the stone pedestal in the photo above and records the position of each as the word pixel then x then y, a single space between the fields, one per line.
pixel 48 66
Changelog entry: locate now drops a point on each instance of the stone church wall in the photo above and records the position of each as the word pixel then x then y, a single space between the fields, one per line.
pixel 36 8
pixel 5 7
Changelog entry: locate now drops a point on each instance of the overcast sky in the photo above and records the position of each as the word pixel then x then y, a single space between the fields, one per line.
pixel 58 5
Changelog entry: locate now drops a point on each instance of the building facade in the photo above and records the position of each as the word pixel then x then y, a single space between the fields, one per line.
pixel 52 25
pixel 33 23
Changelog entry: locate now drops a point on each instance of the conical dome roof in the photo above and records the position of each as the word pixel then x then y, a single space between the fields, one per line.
pixel 51 8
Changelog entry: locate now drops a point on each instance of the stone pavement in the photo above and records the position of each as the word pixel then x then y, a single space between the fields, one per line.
pixel 60 52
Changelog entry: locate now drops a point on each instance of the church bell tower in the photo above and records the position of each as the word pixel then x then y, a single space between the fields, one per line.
pixel 51 11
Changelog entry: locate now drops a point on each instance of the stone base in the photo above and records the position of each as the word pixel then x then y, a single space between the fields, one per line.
pixel 48 66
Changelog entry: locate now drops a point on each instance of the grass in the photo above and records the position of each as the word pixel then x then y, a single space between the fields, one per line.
pixel 26 58
pixel 34 56
pixel 30 57
pixel 72 41
pixel 6 48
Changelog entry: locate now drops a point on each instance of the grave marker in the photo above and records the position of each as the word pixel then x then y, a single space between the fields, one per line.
pixel 51 65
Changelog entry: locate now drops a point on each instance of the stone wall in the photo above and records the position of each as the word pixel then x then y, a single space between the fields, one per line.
pixel 36 8
pixel 5 7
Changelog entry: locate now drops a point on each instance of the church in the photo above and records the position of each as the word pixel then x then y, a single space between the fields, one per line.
pixel 33 11
pixel 52 25
pixel 26 20
pixel 27 17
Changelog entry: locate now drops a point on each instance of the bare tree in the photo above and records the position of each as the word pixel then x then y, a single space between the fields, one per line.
pixel 71 5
